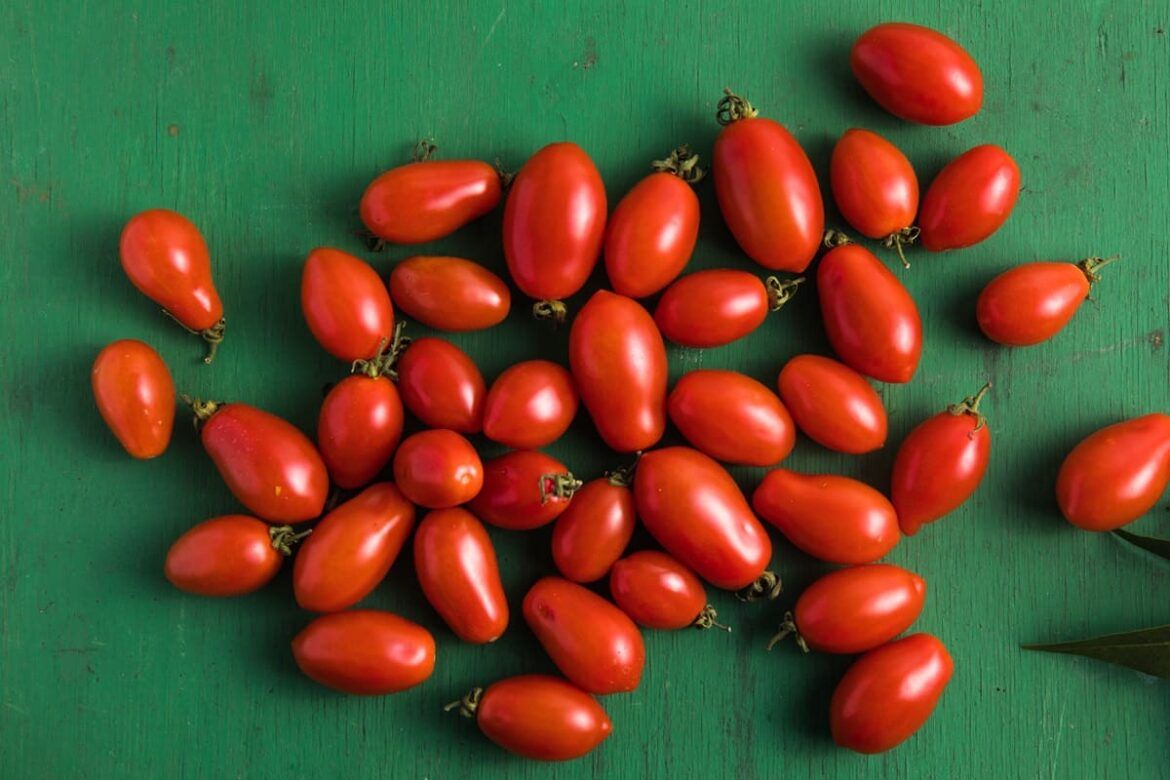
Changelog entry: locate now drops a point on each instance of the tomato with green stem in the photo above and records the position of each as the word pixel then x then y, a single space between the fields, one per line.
pixel 731 417
pixel 657 591
pixel 365 652
pixel 229 555
pixel 135 395
pixel 449 293
pixel 524 489
pixel 438 469
pixel 832 404
pixel 971 198
pixel 441 385
pixel 875 188
pixel 718 306
pixel 595 529
pixel 346 305
pixel 529 405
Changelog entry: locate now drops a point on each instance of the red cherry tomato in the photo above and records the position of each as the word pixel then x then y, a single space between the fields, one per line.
pixel 228 556
pixel 871 320
pixel 657 591
pixel 594 530
pixel 351 549
pixel 359 426
pixel 693 507
pixel 833 404
pixel 449 293
pixel 438 469
pixel 530 404
pixel 523 489
pixel 1032 302
pixel 889 693
pixel 917 73
pixel 365 652
pixel 618 362
pixel 167 260
pixel 716 307
pixel 1117 474
pixel 874 187
pixel 831 518
pixel 429 199
pixel 970 199
pixel 441 385
pixel 135 394
pixel 590 640
pixel 346 305
pixel 767 189
pixel 940 463
pixel 731 417
pixel 458 573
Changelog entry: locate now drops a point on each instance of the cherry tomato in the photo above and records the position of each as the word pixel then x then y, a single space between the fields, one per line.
pixel 657 591
pixel 1117 474
pixel 618 362
pixel 1032 302
pixel 831 518
pixel 449 293
pixel 889 693
pixel 228 556
pixel 593 531
pixel 365 651
pixel 441 385
pixel 429 199
pixel 940 463
pixel 871 320
pixel 351 549
pixel 833 404
pixel 359 426
pixel 874 187
pixel 530 405
pixel 731 417
pixel 917 73
pixel 767 189
pixel 457 569
pixel 590 640
pixel 716 307
pixel 438 469
pixel 346 305
pixel 135 394
pixel 523 489
pixel 970 199
pixel 652 232
pixel 693 507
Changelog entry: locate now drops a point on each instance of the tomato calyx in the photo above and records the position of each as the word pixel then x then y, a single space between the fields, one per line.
pixel 468 704
pixel 558 486
pixel 384 362
pixel 624 476
pixel 550 310
pixel 1090 267
pixel 213 335
pixel 970 405
pixel 706 619
pixel 900 238
pixel 283 537
pixel 681 163
pixel 780 291
pixel 767 586
pixel 505 175
pixel 788 629
pixel 424 148
pixel 203 410
pixel 834 238
pixel 733 108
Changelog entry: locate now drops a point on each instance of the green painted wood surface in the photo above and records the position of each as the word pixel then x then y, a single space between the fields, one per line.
pixel 264 124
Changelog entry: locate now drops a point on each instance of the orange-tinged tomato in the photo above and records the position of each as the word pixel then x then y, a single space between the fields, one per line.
pixel 365 652
pixel 1033 302
pixel 833 404
pixel 346 305
pixel 441 385
pixel 970 199
pixel 523 489
pixel 530 404
pixel 657 591
pixel 135 394
pixel 449 293
pixel 731 417
pixel 429 199
pixel 228 555
pixel 438 469
pixel 874 187
pixel 715 307
pixel 358 427
pixel 594 530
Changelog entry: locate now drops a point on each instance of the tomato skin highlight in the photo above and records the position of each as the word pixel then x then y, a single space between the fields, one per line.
pixel 441 385
pixel 594 530
pixel 731 417
pixel 346 305
pixel 365 652
pixel 712 308
pixel 519 490
pixel 542 717
pixel 651 235
pixel 874 185
pixel 135 395
pixel 833 404
pixel 449 293
pixel 530 404
pixel 859 608
pixel 438 469
pixel 1031 303
pixel 427 200
pixel 970 199
pixel 228 555
pixel 657 591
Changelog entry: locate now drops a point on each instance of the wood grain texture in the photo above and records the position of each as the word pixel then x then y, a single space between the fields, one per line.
pixel 265 134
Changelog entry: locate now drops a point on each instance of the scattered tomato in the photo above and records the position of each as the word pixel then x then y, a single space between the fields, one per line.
pixel 449 293
pixel 530 404
pixel 438 469
pixel 731 417
pixel 365 651
pixel 358 427
pixel 875 188
pixel 441 385
pixel 524 489
pixel 718 306
pixel 135 394
pixel 346 305
pixel 657 591
pixel 833 404
pixel 970 199
pixel 594 530
pixel 228 556
pixel 1032 302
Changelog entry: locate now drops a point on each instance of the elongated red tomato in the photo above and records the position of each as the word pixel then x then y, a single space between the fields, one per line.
pixel 1032 302
pixel 652 232
pixel 135 395
pixel 889 693
pixel 441 385
pixel 346 305
pixel 166 258
pixel 731 417
pixel 449 293
pixel 618 362
pixel 693 507
pixel 833 404
pixel 917 73
pixel 767 189
pixel 870 318
pixel 365 651
pixel 715 307
pixel 429 199
pixel 970 199
pixel 530 404
pixel 438 469
pixel 940 464
pixel 594 530
pixel 874 187
pixel 228 556
pixel 590 640
pixel 358 427
pixel 831 518
pixel 351 549
pixel 458 573
pixel 523 489
pixel 1117 474
pixel 657 591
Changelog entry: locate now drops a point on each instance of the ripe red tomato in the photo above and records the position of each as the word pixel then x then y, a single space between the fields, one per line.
pixel 917 73
pixel 346 305
pixel 166 258
pixel 429 199
pixel 889 693
pixel 716 307
pixel 767 189
pixel 441 385
pixel 831 518
pixel 228 556
pixel 1032 302
pixel 458 573
pixel 871 320
pixel 365 651
pixel 135 394
pixel 530 404
pixel 438 469
pixel 1117 474
pixel 449 293
pixel 875 188
pixel 940 463
pixel 590 640
pixel 833 404
pixel 618 362
pixel 594 530
pixel 693 507
pixel 523 489
pixel 731 417
pixel 351 549
pixel 970 199
pixel 359 426
pixel 657 591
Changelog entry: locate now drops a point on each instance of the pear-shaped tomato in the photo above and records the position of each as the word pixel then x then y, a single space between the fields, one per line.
pixel 731 417
pixel 346 305
pixel 228 556
pixel 970 199
pixel 429 199
pixel 1032 302
pixel 657 591
pixel 449 293
pixel 135 395
pixel 530 404
pixel 523 489
pixel 359 426
pixel 875 188
pixel 365 651
pixel 833 404
pixel 441 385
pixel 438 469
pixel 594 529
pixel 718 306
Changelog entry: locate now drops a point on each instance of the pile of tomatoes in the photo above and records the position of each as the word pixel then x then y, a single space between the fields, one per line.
pixel 555 228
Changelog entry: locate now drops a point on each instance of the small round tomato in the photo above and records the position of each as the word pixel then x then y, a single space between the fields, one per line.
pixel 875 188
pixel 594 530
pixel 530 404
pixel 429 199
pixel 352 549
pixel 590 640
pixel 889 693
pixel 438 469
pixel 1032 302
pixel 441 385
pixel 657 591
pixel 715 307
pixel 731 417
pixel 228 556
pixel 524 489
pixel 1117 474
pixel 833 404
pixel 135 394
pixel 449 293
pixel 831 518
pixel 358 427
pixel 458 573
pixel 365 651
pixel 970 199
pixel 917 73
pixel 346 305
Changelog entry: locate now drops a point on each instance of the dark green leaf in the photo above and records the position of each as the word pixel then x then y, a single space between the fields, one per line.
pixel 1147 650
pixel 1159 547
